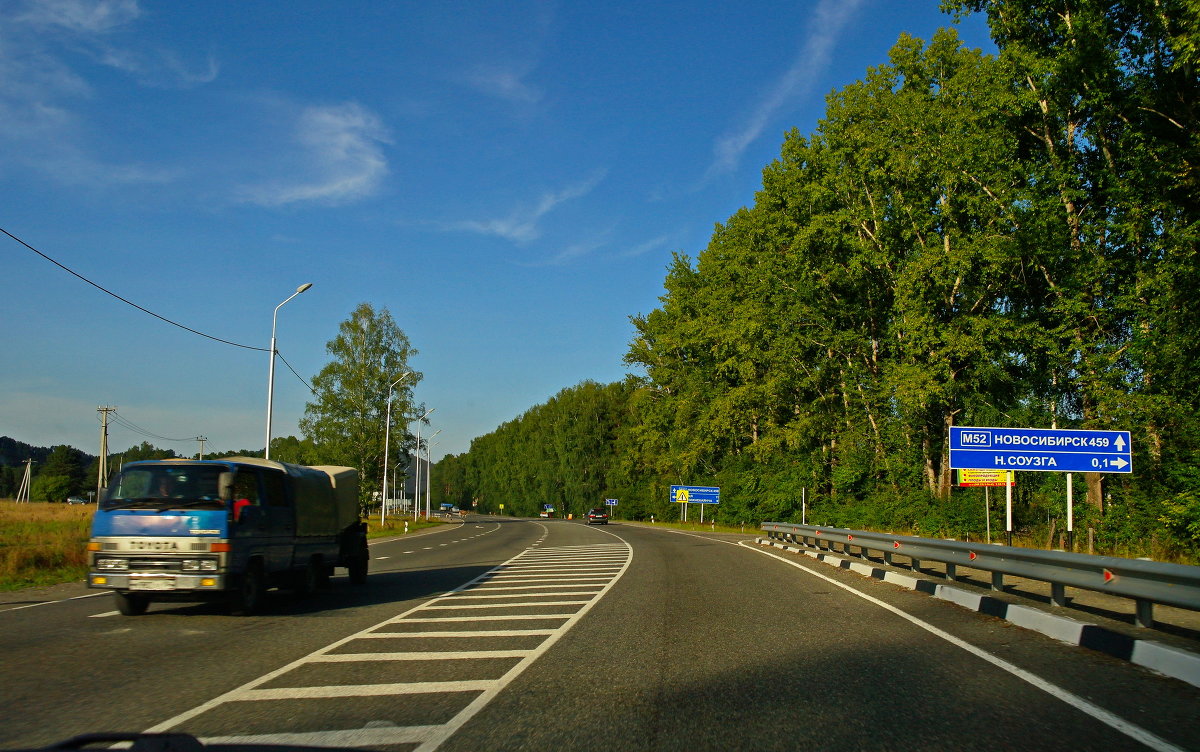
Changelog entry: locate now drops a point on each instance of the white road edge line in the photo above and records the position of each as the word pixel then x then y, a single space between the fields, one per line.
pixel 1112 720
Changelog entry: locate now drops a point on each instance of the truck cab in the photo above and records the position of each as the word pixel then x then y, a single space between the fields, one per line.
pixel 230 529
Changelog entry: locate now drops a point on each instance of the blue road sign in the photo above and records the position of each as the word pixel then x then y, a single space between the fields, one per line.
pixel 696 494
pixel 1048 450
pixel 611 502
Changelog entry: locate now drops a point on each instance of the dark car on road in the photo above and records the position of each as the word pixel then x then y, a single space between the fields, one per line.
pixel 598 516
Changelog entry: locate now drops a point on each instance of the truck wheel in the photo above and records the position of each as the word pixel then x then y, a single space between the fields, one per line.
pixel 313 578
pixel 358 569
pixel 131 605
pixel 247 598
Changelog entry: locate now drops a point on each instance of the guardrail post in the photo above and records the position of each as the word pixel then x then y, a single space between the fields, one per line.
pixel 1058 594
pixel 887 558
pixel 916 564
pixel 1143 613
pixel 998 581
pixel 951 571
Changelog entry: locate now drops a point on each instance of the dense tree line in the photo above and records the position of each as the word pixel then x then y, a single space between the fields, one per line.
pixel 965 239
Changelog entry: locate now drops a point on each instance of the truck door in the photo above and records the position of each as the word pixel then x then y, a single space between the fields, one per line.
pixel 270 529
pixel 281 518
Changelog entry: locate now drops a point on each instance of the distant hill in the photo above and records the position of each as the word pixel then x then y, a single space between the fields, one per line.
pixel 14 453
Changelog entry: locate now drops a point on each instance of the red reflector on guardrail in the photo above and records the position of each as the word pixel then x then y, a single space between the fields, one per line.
pixel 1109 576
pixel 895 544
pixel 849 537
pixel 972 554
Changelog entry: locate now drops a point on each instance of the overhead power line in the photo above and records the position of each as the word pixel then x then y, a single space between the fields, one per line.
pixel 130 302
pixel 293 370
pixel 126 423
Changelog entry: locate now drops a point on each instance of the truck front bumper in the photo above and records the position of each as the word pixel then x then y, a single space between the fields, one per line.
pixel 157 582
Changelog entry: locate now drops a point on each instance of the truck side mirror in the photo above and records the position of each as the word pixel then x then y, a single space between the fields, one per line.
pixel 225 486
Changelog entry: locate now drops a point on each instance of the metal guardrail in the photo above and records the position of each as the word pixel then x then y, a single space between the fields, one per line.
pixel 1145 582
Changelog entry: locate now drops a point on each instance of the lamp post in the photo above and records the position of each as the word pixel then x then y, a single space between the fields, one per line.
pixel 271 370
pixel 387 435
pixel 396 474
pixel 429 445
pixel 417 457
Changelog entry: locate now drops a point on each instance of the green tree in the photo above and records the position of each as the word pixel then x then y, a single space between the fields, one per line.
pixel 61 475
pixel 345 420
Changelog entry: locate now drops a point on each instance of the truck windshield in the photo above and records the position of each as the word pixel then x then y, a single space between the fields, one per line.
pixel 166 487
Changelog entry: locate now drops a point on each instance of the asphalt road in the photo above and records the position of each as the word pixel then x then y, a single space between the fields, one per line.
pixel 548 634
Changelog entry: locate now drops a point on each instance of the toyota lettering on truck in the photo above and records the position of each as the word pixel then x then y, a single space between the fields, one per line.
pixel 185 530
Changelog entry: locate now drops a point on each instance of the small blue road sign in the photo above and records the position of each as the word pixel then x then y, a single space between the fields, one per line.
pixel 611 502
pixel 1052 450
pixel 696 494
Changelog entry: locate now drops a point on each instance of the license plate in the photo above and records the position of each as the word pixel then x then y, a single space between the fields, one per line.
pixel 154 584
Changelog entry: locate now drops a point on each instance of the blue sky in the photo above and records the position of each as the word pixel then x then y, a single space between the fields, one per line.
pixel 509 179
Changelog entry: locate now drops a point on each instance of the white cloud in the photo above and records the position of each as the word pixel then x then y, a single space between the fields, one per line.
pixel 829 18
pixel 504 83
pixel 45 92
pixel 646 247
pixel 522 226
pixel 81 16
pixel 339 158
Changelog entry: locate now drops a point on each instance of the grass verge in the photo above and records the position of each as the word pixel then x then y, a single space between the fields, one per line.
pixel 42 544
pixel 397 526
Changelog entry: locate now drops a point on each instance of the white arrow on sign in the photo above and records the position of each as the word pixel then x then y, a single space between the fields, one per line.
pixel 1120 442
pixel 1120 462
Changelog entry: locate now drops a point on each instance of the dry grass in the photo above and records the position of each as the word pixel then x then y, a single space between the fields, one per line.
pixel 42 544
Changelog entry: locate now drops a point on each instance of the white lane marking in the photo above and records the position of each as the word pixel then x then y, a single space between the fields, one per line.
pixel 428 655
pixel 367 738
pixel 552 568
pixel 510 605
pixel 106 613
pixel 1112 720
pixel 490 596
pixel 381 558
pixel 479 633
pixel 472 619
pixel 453 725
pixel 490 588
pixel 362 690
pixel 51 603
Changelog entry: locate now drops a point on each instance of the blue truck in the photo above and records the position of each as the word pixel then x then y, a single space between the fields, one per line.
pixel 228 529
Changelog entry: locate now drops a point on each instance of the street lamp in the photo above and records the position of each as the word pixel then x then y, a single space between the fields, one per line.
pixel 417 456
pixel 429 445
pixel 387 435
pixel 396 474
pixel 271 371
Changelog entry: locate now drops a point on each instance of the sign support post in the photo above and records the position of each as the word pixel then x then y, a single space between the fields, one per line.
pixel 1070 516
pixel 987 510
pixel 1008 514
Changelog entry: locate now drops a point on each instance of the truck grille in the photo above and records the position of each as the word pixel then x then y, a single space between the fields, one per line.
pixel 156 565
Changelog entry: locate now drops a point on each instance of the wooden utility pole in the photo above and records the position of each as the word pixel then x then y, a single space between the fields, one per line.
pixel 23 491
pixel 102 479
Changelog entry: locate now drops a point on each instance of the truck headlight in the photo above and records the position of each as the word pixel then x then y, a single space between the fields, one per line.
pixel 112 563
pixel 195 565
